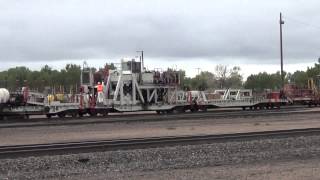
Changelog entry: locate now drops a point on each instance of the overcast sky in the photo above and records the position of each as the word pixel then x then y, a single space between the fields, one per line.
pixel 173 33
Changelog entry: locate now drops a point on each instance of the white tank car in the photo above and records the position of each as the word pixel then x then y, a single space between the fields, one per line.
pixel 4 95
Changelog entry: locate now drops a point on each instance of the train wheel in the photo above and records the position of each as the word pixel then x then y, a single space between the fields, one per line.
pixel 48 116
pixel 93 113
pixel 175 111
pixel 74 114
pixel 61 115
pixel 170 111
pixel 104 113
pixel 244 108
pixel 194 110
pixel 158 112
pixel 179 110
pixel 164 112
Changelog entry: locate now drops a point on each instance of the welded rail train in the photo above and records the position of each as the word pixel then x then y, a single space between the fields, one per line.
pixel 129 88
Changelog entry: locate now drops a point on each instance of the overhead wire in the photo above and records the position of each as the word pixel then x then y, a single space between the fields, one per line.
pixel 301 22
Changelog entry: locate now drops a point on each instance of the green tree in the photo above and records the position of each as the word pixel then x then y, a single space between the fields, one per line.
pixel 234 79
pixel 313 71
pixel 262 81
pixel 300 78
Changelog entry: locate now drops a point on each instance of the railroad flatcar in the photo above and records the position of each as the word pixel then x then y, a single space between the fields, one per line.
pixel 128 88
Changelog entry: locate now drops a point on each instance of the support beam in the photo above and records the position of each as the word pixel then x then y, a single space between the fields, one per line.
pixel 116 92
pixel 138 90
pixel 134 98
pixel 152 94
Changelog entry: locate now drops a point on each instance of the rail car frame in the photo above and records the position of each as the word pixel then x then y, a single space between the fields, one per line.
pixel 132 88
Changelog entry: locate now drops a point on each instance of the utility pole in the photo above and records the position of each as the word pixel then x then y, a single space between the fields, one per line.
pixel 198 71
pixel 141 58
pixel 198 77
pixel 319 64
pixel 281 22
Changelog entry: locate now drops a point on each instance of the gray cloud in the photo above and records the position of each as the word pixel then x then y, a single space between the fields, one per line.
pixel 214 30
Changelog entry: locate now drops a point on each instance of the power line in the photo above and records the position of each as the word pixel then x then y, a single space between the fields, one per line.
pixel 301 22
pixel 290 19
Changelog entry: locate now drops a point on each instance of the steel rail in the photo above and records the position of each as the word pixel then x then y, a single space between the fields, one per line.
pixel 154 118
pixel 141 143
pixel 145 114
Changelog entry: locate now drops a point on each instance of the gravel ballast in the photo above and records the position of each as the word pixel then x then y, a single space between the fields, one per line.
pixel 123 164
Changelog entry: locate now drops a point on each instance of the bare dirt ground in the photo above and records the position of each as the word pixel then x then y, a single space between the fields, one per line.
pixel 51 134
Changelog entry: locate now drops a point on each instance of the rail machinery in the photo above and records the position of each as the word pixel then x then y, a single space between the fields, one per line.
pixel 21 103
pixel 314 85
pixel 129 88
pixel 132 88
pixel 309 95
pixel 236 98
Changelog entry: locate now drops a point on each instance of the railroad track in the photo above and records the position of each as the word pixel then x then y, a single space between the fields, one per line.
pixel 147 114
pixel 140 143
pixel 153 118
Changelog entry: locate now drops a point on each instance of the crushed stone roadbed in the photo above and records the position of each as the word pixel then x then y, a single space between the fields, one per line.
pixel 284 158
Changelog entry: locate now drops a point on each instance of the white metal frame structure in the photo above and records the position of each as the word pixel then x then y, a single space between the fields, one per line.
pixel 129 90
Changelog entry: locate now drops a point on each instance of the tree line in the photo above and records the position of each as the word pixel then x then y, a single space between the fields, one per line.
pixel 224 77
pixel 263 80
pixel 63 80
pixel 68 78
